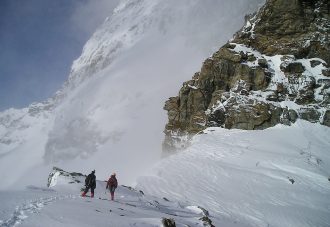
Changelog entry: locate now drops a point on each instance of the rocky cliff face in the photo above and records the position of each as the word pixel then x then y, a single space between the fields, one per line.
pixel 274 71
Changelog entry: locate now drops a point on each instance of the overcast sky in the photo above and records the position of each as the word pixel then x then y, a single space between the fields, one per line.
pixel 39 39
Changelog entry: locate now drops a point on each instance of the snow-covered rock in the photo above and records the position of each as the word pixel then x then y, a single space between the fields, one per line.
pixel 264 76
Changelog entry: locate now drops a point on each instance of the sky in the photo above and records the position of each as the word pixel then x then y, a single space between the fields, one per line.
pixel 39 39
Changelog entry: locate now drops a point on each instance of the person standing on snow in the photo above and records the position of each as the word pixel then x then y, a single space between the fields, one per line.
pixel 112 185
pixel 90 183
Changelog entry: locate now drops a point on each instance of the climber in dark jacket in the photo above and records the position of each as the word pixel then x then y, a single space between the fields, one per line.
pixel 112 185
pixel 90 183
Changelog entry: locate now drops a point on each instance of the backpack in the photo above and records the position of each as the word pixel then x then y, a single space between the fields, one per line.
pixel 87 180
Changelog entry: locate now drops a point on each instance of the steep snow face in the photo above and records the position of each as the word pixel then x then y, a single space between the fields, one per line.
pixel 275 177
pixel 109 116
pixel 203 24
pixel 23 136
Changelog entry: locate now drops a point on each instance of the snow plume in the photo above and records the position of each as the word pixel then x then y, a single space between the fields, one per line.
pixel 89 13
pixel 110 115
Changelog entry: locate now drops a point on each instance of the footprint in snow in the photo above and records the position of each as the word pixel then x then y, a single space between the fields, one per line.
pixel 21 212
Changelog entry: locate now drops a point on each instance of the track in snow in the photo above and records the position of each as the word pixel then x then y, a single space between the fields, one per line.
pixel 22 211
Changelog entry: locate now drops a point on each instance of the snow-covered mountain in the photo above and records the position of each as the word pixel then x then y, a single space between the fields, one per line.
pixel 108 116
pixel 109 112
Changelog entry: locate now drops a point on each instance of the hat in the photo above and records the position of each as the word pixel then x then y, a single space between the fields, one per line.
pixel 93 171
pixel 114 174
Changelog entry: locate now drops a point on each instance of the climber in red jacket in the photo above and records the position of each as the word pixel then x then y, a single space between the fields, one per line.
pixel 112 185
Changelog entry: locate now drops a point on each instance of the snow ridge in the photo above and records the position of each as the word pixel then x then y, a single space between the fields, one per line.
pixel 61 205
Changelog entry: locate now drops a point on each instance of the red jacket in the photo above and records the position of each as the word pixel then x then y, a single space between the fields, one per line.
pixel 112 182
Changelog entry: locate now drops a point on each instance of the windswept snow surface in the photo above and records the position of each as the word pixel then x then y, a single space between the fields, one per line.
pixel 109 114
pixel 62 205
pixel 274 177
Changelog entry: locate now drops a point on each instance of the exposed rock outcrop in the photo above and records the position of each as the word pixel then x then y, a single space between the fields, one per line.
pixel 275 70
pixel 71 178
pixel 168 222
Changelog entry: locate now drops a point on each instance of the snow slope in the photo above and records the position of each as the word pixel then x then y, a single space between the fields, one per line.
pixel 110 109
pixel 274 177
pixel 61 205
